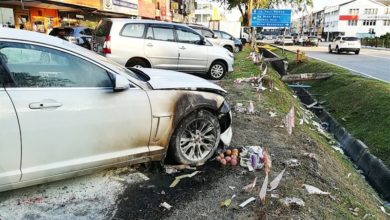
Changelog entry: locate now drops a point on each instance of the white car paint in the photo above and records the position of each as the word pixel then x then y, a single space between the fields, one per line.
pixel 342 43
pixel 50 133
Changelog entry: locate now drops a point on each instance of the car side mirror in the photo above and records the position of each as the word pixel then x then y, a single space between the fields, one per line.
pixel 121 83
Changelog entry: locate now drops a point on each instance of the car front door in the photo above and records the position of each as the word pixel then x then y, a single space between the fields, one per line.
pixel 161 47
pixel 192 50
pixel 70 117
pixel 10 146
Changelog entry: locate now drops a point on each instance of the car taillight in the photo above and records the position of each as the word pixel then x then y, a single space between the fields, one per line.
pixel 107 45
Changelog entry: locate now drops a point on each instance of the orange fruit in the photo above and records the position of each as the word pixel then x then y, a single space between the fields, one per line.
pixel 235 150
pixel 228 152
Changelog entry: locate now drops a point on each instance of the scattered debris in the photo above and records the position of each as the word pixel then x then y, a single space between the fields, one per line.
pixel 293 202
pixel 349 174
pixel 239 108
pixel 275 196
pixel 246 202
pixel 178 178
pixel 305 77
pixel 276 88
pixel 312 105
pixel 311 155
pixel 289 120
pixel 165 205
pixel 298 86
pixel 232 187
pixel 272 114
pixel 251 108
pixel 292 163
pixel 314 190
pixel 227 202
pixel 251 186
pixel 162 192
pixel 384 210
pixel 170 170
pixel 118 179
pixel 338 149
pixel 263 190
pixel 274 183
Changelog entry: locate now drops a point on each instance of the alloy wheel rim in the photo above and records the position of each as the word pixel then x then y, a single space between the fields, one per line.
pixel 197 140
pixel 217 71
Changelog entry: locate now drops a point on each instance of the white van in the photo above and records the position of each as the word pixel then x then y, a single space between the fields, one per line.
pixel 163 45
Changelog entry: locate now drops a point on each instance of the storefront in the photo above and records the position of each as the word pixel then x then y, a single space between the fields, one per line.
pixel 120 8
pixel 146 9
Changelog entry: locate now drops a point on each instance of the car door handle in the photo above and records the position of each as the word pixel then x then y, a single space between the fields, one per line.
pixel 45 105
pixel 182 48
pixel 149 45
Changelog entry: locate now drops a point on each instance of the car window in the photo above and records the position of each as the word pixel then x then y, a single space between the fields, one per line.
pixel 36 66
pixel 149 34
pixel 133 30
pixel 86 31
pixel 103 28
pixel 350 38
pixel 218 34
pixel 226 36
pixel 207 33
pixel 162 33
pixel 186 36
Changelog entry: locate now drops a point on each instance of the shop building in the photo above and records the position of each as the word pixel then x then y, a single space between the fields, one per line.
pixel 360 18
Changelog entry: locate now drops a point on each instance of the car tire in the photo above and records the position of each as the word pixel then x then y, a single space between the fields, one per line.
pixel 136 63
pixel 196 138
pixel 217 70
pixel 338 50
pixel 229 48
pixel 330 49
pixel 357 52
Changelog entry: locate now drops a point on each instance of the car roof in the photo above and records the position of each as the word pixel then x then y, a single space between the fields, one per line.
pixel 128 20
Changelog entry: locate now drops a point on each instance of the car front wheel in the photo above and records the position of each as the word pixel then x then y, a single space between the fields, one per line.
pixel 357 52
pixel 196 138
pixel 217 70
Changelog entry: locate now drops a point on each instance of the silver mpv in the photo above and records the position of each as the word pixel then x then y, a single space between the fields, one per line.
pixel 162 45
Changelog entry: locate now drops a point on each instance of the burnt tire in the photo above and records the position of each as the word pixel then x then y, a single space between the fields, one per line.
pixel 217 70
pixel 196 138
pixel 137 63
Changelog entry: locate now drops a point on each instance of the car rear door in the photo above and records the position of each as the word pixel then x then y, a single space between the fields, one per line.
pixel 10 146
pixel 70 117
pixel 161 47
pixel 193 53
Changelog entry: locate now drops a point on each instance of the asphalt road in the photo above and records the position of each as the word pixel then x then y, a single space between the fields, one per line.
pixel 370 62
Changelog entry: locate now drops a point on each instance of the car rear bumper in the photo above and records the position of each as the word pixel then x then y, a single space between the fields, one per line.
pixel 349 49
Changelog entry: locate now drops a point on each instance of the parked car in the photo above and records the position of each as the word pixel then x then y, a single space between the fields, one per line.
pixel 213 38
pixel 77 35
pixel 278 40
pixel 311 41
pixel 287 40
pixel 345 44
pixel 76 111
pixel 223 35
pixel 162 45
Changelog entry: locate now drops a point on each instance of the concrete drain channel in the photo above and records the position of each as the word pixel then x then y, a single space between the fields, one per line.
pixel 375 171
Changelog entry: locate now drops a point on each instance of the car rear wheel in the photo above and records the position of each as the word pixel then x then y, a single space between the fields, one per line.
pixel 330 49
pixel 337 50
pixel 136 63
pixel 196 138
pixel 357 52
pixel 217 70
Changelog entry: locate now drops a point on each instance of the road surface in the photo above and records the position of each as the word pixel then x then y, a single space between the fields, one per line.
pixel 370 62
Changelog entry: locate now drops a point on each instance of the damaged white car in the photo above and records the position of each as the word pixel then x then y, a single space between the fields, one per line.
pixel 66 111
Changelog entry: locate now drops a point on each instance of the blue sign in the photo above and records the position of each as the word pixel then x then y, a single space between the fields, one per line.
pixel 271 18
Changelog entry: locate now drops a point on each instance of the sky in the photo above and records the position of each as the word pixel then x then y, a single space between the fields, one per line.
pixel 320 4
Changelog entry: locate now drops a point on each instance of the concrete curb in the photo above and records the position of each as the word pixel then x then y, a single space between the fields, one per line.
pixel 373 168
pixel 277 65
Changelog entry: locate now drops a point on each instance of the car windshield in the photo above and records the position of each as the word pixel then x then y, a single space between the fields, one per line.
pixel 350 38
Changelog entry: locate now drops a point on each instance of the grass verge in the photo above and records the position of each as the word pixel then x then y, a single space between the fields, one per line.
pixel 360 104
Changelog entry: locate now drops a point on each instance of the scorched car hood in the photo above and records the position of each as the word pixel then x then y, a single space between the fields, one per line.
pixel 167 79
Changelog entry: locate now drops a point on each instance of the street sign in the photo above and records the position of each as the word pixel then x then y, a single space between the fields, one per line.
pixel 271 18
